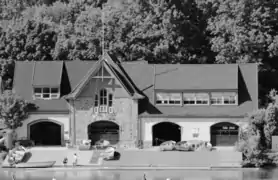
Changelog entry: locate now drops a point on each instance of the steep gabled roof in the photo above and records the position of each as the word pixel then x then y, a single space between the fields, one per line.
pixel 242 78
pixel 23 83
pixel 196 77
pixel 120 71
pixel 47 73
pixel 76 70
pixel 116 71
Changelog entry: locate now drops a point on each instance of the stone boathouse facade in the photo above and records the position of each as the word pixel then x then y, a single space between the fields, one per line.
pixel 135 103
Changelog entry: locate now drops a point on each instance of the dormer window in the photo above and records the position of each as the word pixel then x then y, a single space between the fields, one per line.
pixel 195 98
pixel 168 98
pixel 223 98
pixel 46 93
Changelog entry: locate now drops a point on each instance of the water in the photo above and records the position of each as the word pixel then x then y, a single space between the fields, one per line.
pixel 73 174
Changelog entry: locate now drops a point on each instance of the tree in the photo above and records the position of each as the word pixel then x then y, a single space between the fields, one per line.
pixel 14 110
pixel 157 31
pixel 255 139
pixel 245 31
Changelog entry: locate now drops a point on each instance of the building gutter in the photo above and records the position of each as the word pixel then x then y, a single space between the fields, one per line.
pixel 49 112
pixel 188 116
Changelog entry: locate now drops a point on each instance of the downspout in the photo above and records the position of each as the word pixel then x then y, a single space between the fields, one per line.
pixel 140 140
pixel 73 135
pixel 74 124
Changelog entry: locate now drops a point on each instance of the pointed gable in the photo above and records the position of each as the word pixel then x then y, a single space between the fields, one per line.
pixel 104 67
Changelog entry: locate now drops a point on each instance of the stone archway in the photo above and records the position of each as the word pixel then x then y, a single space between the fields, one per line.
pixel 46 132
pixel 224 134
pixel 165 131
pixel 106 130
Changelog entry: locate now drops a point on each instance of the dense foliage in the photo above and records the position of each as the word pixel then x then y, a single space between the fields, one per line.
pixel 159 31
pixel 255 138
pixel 14 110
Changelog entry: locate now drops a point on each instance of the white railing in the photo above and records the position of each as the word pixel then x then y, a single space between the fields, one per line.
pixel 104 109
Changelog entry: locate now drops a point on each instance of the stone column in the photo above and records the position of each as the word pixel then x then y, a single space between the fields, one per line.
pixel 148 135
pixel 72 122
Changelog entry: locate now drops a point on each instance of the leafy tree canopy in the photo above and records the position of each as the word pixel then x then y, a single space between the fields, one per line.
pixel 14 110
pixel 159 31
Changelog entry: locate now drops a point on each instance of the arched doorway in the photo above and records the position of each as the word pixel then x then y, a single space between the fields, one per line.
pixel 165 131
pixel 45 132
pixel 106 130
pixel 224 134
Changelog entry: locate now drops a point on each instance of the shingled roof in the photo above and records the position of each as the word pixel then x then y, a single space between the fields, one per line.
pixel 150 78
pixel 142 80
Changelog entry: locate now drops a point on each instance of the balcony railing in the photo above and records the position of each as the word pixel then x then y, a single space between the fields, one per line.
pixel 104 109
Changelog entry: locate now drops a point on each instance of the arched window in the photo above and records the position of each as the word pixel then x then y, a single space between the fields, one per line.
pixel 103 98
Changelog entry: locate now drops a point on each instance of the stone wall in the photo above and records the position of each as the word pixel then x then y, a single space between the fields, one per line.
pixel 125 116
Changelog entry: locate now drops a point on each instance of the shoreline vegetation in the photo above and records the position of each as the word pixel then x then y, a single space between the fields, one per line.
pixel 255 139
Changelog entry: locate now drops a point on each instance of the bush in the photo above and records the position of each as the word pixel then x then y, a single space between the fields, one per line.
pixel 255 139
pixel 3 155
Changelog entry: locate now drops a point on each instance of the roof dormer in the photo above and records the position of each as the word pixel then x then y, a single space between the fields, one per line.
pixel 46 82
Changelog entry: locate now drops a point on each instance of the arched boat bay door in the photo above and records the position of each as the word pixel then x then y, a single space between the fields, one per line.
pixel 45 133
pixel 105 130
pixel 224 134
pixel 165 131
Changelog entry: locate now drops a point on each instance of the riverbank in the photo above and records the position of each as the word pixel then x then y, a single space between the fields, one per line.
pixel 133 168
pixel 140 159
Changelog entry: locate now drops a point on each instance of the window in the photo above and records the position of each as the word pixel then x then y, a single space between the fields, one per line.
pixel 216 98
pixel 169 98
pixel 196 98
pixel 46 93
pixel 162 98
pixel 230 98
pixel 175 98
pixel 96 100
pixel 223 98
pixel 110 100
pixel 189 98
pixel 202 98
pixel 103 98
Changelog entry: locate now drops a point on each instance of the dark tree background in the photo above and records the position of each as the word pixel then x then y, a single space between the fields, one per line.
pixel 159 31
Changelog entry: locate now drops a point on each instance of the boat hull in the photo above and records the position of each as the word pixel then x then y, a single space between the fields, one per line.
pixel 46 164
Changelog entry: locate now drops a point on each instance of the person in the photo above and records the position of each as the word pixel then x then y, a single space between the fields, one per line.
pixel 75 159
pixel 144 177
pixel 65 161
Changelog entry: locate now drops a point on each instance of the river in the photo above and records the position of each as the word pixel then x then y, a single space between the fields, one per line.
pixel 85 174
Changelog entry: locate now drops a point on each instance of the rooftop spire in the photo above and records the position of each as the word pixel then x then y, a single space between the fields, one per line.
pixel 103 30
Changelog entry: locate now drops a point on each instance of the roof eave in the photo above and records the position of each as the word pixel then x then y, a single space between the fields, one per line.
pixel 188 116
pixel 137 96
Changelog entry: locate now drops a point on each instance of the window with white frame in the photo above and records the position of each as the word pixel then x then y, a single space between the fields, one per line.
pixel 195 98
pixel 169 98
pixel 216 98
pixel 221 98
pixel 46 93
pixel 230 98
pixel 189 98
pixel 103 98
pixel 175 98
pixel 202 98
